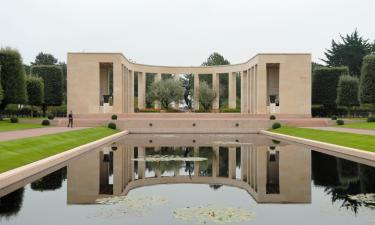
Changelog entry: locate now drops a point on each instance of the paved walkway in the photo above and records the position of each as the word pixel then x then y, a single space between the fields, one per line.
pixel 17 134
pixel 347 130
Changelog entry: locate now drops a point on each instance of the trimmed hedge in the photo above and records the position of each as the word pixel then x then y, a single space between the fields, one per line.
pixel 340 122
pixel 114 117
pixel 112 126
pixel 324 84
pixel 53 83
pixel 276 125
pixel 50 117
pixel 321 111
pixel 347 91
pixel 13 119
pixel 45 123
pixel 272 117
pixel 228 110
pixel 371 119
pixel 367 85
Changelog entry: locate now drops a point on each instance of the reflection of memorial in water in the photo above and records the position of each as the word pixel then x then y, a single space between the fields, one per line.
pixel 271 172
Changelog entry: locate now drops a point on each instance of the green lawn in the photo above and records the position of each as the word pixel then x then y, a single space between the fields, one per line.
pixel 20 152
pixel 359 141
pixel 5 125
pixel 364 125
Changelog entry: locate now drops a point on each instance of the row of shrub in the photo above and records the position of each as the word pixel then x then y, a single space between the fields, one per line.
pixel 13 111
pixel 228 110
pixel 324 111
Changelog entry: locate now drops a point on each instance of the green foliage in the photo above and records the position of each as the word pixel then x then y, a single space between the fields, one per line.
pixel 166 92
pixel 149 110
pixel 347 91
pixel 53 83
pixel 206 96
pixel 44 59
pixel 45 123
pixel 35 90
pixel 58 110
pixel 334 118
pixel 228 110
pixel 13 80
pixel 13 119
pixel 349 52
pixel 276 125
pixel 367 82
pixel 1 89
pixel 272 117
pixel 112 126
pixel 114 117
pixel 371 119
pixel 215 59
pixel 324 85
pixel 340 122
pixel 51 117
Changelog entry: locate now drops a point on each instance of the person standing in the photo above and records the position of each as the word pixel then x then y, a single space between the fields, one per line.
pixel 70 116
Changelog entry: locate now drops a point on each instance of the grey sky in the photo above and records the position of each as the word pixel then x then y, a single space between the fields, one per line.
pixel 180 32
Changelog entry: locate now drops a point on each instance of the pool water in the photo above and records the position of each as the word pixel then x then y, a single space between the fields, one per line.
pixel 199 179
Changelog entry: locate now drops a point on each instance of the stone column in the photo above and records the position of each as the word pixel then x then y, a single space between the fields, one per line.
pixel 215 87
pixel 232 162
pixel 244 161
pixel 244 93
pixel 141 90
pixel 196 88
pixel 176 78
pixel 131 91
pixel 157 78
pixel 232 90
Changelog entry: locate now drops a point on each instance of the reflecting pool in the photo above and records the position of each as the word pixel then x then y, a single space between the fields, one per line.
pixel 195 179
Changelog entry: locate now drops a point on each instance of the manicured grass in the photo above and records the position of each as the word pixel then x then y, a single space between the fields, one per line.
pixel 364 125
pixel 5 125
pixel 20 152
pixel 359 141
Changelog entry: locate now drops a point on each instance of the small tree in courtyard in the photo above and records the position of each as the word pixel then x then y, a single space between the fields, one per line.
pixel 347 91
pixel 367 83
pixel 35 92
pixel 166 92
pixel 206 96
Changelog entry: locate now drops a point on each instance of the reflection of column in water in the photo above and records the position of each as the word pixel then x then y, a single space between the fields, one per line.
pixel 196 164
pixel 273 184
pixel 142 163
pixel 232 162
pixel 215 162
pixel 244 151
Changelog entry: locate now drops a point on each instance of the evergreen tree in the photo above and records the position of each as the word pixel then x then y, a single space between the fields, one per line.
pixel 35 92
pixel 367 82
pixel 349 52
pixel 347 91
pixel 44 59
pixel 13 78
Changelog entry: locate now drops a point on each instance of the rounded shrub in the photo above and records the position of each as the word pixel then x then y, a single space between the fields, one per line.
pixel 45 122
pixel 276 125
pixel 51 117
pixel 272 117
pixel 114 117
pixel 340 122
pixel 112 126
pixel 334 118
pixel 13 119
pixel 371 119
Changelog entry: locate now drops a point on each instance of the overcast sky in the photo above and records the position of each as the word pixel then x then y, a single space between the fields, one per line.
pixel 180 32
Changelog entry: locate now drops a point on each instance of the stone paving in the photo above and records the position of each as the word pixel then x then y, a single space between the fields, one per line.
pixel 347 130
pixel 12 135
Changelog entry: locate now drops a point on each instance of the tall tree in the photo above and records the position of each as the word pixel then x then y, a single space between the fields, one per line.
pixel 347 91
pixel 35 92
pixel 13 78
pixel 1 89
pixel 206 96
pixel 215 59
pixel 348 52
pixel 367 83
pixel 44 59
pixel 166 92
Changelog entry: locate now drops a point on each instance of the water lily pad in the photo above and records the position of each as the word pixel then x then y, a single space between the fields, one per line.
pixel 165 158
pixel 133 202
pixel 212 213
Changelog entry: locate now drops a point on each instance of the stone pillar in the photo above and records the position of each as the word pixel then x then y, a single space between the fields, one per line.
pixel 141 164
pixel 176 105
pixel 141 90
pixel 244 93
pixel 196 88
pixel 232 162
pixel 130 90
pixel 157 78
pixel 232 90
pixel 215 87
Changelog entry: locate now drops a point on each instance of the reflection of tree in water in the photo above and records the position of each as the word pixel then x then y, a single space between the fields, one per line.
pixel 342 178
pixel 205 167
pixel 51 182
pixel 223 161
pixel 11 204
pixel 215 186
